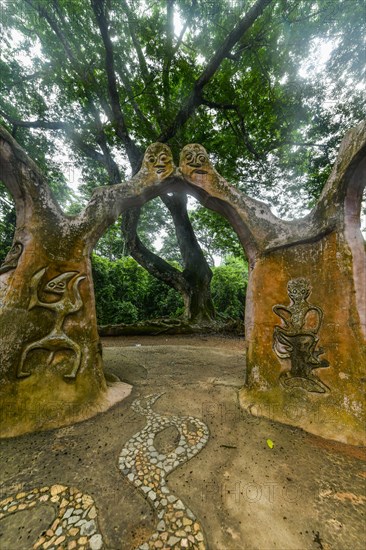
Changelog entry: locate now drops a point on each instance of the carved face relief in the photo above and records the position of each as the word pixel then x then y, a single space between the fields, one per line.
pixel 58 284
pixel 194 161
pixel 298 289
pixel 158 160
pixel 12 257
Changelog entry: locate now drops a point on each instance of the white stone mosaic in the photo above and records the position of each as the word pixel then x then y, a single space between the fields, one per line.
pixel 75 526
pixel 146 468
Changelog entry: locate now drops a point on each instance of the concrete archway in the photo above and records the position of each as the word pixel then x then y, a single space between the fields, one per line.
pixel 303 354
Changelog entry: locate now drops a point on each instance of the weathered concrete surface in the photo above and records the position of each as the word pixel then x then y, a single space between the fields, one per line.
pixel 339 413
pixel 304 493
pixel 50 347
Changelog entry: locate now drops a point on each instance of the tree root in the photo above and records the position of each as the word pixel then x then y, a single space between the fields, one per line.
pixel 156 327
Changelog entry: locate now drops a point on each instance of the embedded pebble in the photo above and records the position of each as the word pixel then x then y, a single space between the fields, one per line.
pixel 68 513
pixel 92 513
pixel 161 526
pixel 179 505
pixel 95 542
pixel 88 528
pixel 172 541
pixel 56 489
pixel 73 519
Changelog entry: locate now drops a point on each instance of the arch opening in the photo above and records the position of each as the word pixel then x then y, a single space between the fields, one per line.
pixel 189 283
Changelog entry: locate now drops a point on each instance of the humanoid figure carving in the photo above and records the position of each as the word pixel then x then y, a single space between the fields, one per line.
pixel 298 339
pixel 69 302
pixel 12 258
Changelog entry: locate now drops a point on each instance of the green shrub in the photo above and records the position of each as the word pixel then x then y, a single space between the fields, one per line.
pixel 127 293
pixel 228 288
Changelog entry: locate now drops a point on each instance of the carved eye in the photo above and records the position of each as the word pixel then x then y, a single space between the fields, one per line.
pixel 201 158
pixel 189 157
pixel 61 285
pixel 151 159
pixel 51 285
pixel 163 158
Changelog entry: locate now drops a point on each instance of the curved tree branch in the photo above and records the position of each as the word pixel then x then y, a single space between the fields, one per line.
pixel 105 159
pixel 155 265
pixel 131 97
pixel 145 73
pixel 147 77
pixel 81 68
pixel 133 153
pixel 168 49
pixel 185 27
pixel 195 97
pixel 243 131
pixel 40 8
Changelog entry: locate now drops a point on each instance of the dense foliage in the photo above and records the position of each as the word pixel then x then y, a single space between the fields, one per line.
pixel 271 114
pixel 126 293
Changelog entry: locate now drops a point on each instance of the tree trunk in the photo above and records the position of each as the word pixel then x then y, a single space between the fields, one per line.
pixel 196 272
pixel 194 282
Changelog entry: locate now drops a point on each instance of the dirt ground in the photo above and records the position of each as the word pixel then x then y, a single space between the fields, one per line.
pixel 209 341
pixel 255 484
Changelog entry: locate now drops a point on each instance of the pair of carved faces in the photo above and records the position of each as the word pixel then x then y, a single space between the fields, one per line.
pixel 194 161
pixel 158 160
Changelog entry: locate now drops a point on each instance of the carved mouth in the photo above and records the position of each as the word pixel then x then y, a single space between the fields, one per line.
pixel 160 170
pixel 198 171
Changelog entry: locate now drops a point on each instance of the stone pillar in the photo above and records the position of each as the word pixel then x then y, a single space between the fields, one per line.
pixel 51 369
pixel 309 371
pixel 306 297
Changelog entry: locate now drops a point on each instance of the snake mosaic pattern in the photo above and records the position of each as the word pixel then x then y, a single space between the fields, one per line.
pixel 147 469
